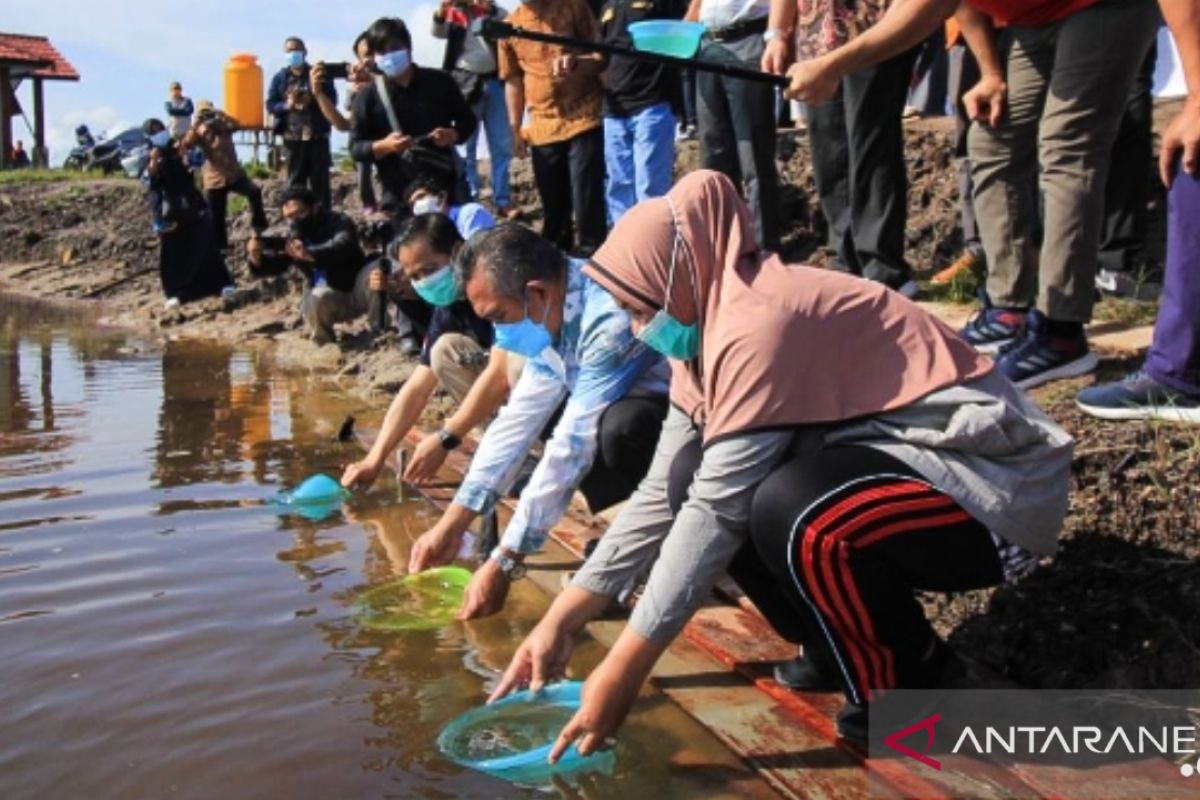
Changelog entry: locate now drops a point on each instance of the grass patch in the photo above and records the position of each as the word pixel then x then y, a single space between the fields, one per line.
pixel 12 177
pixel 237 204
pixel 258 170
pixel 1125 312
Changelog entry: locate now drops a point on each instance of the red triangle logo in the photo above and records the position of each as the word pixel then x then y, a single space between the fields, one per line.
pixel 927 724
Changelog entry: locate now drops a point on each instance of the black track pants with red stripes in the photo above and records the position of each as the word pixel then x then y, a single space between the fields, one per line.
pixel 848 535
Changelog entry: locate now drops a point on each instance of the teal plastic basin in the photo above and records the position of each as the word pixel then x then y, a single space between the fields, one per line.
pixel 668 37
pixel 511 738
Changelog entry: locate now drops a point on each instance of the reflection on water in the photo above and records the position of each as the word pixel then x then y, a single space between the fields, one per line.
pixel 165 634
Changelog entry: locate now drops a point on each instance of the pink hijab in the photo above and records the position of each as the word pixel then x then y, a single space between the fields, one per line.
pixel 780 345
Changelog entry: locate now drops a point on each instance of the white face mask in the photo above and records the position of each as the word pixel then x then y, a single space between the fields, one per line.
pixel 428 204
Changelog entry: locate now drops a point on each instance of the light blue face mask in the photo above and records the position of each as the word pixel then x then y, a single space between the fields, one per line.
pixel 525 338
pixel 439 288
pixel 393 63
pixel 295 58
pixel 160 139
pixel 664 333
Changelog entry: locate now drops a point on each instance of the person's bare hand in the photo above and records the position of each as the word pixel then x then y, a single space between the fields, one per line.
pixel 396 143
pixel 1181 143
pixel 359 74
pixel 433 549
pixel 985 101
pixel 486 593
pixel 426 459
pixel 541 658
pixel 254 250
pixel 775 56
pixel 297 251
pixel 605 702
pixel 813 82
pixel 520 150
pixel 360 475
pixel 316 78
pixel 377 281
pixel 444 137
pixel 563 65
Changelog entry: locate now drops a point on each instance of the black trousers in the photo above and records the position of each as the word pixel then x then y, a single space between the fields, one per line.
pixel 1130 172
pixel 217 203
pixel 308 164
pixel 964 74
pixel 839 542
pixel 857 141
pixel 737 131
pixel 629 431
pixel 570 175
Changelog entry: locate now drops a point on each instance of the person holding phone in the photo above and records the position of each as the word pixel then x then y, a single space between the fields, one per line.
pixel 299 121
pixel 358 75
pixel 408 119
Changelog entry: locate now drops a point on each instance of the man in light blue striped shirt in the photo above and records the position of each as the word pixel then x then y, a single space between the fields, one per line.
pixel 582 359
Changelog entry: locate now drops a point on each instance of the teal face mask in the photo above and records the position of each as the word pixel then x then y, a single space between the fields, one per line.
pixel 525 338
pixel 664 333
pixel 438 289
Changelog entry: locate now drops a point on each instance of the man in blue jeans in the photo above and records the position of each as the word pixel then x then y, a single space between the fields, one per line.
pixel 639 120
pixel 472 61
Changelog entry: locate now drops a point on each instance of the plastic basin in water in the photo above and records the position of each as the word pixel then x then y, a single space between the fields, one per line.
pixel 424 601
pixel 668 37
pixel 319 488
pixel 511 738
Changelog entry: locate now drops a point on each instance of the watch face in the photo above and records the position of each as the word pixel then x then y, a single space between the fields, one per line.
pixel 517 572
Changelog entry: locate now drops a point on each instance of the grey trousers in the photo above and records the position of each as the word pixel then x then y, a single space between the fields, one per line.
pixel 322 306
pixel 737 131
pixel 1068 84
pixel 857 141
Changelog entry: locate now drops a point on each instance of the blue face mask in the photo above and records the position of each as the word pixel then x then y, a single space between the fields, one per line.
pixel 438 289
pixel 161 139
pixel 393 63
pixel 664 333
pixel 525 338
pixel 295 58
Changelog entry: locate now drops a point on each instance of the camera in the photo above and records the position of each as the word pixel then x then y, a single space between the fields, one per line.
pixel 338 71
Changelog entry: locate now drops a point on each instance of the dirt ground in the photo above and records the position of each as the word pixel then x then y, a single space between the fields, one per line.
pixel 1117 607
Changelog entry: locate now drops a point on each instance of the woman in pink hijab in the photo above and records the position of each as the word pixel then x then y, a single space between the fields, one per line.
pixel 830 444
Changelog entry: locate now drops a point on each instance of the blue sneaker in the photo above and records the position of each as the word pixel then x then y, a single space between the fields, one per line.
pixel 1040 356
pixel 992 328
pixel 1138 397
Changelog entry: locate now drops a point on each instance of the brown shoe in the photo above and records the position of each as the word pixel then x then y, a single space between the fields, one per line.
pixel 970 260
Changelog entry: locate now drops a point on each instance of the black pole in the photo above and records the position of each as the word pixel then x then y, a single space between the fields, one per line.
pixel 492 29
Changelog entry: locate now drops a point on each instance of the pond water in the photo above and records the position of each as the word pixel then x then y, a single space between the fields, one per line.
pixel 164 634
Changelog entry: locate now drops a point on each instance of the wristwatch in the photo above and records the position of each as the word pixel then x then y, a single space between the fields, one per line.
pixel 771 34
pixel 513 570
pixel 448 439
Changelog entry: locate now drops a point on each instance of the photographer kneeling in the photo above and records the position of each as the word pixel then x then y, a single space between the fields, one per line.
pixel 324 246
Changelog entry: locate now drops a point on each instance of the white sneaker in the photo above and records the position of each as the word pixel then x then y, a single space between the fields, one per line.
pixel 172 303
pixel 228 292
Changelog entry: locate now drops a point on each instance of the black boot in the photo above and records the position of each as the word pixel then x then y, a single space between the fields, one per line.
pixel 852 723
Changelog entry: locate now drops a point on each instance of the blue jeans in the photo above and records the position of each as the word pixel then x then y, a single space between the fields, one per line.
pixel 639 152
pixel 493 117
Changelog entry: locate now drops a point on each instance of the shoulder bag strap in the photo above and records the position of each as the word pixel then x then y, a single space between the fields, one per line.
pixel 381 88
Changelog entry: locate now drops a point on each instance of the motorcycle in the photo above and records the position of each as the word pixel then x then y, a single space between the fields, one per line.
pixel 106 155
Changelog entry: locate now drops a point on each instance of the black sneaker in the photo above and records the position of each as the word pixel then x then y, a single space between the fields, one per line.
pixel 1040 356
pixel 852 723
pixel 1138 397
pixel 804 675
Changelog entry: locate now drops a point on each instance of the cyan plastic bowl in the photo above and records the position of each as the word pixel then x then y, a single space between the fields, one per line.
pixel 668 37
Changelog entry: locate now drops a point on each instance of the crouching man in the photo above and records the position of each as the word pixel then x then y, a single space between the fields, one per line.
pixel 455 356
pixel 582 357
pixel 324 246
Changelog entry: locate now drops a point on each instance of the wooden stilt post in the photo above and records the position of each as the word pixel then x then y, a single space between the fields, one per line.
pixel 41 157
pixel 5 117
